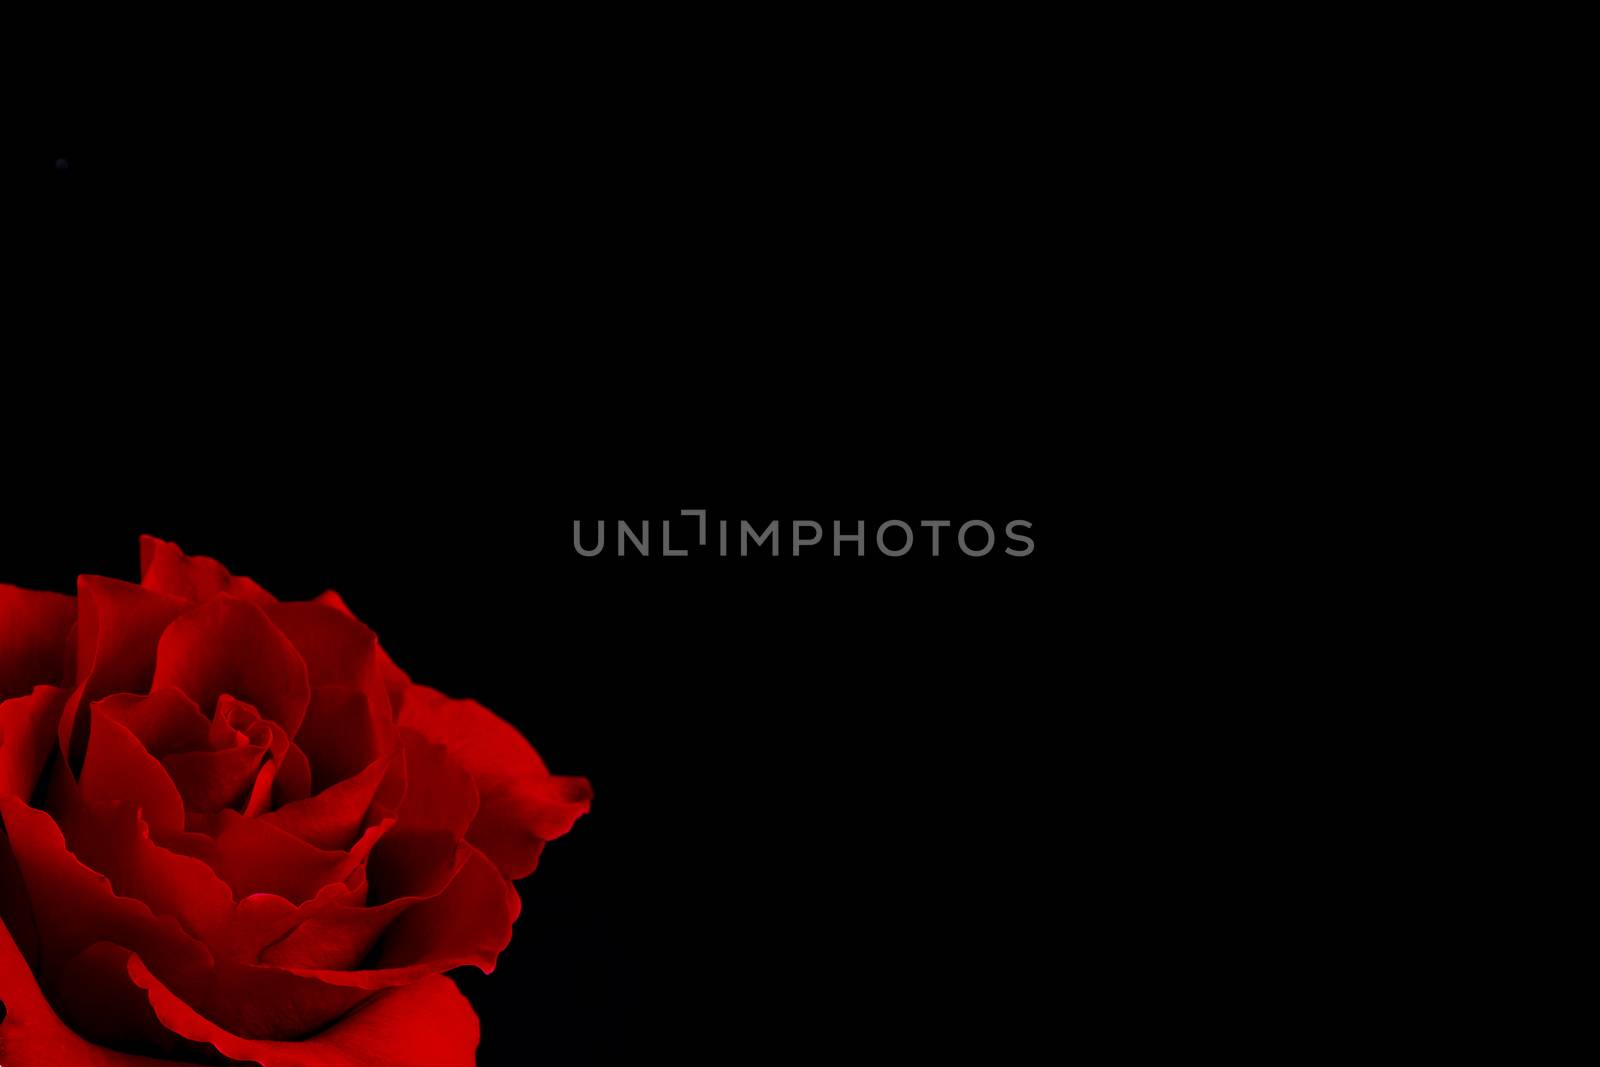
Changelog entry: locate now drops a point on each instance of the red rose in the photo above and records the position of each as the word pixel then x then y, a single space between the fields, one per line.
pixel 231 827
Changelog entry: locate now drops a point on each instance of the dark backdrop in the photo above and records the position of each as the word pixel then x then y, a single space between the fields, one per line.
pixel 840 803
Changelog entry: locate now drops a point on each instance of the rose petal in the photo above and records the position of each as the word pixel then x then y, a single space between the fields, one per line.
pixel 27 737
pixel 394 679
pixel 32 1035
pixel 254 856
pixel 440 794
pixel 337 649
pixel 439 804
pixel 262 919
pixel 165 567
pixel 468 925
pixel 429 1024
pixel 241 767
pixel 293 781
pixel 211 781
pixel 98 999
pixel 523 805
pixel 165 721
pixel 116 767
pixel 338 934
pixel 75 906
pixel 119 630
pixel 341 734
pixel 227 645
pixel 333 818
pixel 33 637
pixel 112 839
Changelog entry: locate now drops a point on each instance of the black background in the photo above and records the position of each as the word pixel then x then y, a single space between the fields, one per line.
pixel 839 802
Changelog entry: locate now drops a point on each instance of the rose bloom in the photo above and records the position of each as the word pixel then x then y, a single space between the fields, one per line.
pixel 231 829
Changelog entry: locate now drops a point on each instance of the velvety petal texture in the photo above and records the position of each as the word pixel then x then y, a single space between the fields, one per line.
pixel 33 1035
pixel 522 805
pixel 33 638
pixel 231 827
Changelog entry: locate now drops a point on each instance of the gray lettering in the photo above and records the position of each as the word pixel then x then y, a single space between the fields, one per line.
pixel 910 536
pixel 578 544
pixel 625 534
pixel 745 530
pixel 817 526
pixel 702 513
pixel 666 540
pixel 859 537
pixel 961 536
pixel 1019 537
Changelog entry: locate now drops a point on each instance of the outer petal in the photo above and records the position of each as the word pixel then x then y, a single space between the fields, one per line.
pixel 112 838
pixel 163 566
pixel 27 737
pixel 119 629
pixel 33 638
pixel 394 679
pixel 227 645
pixel 100 1003
pixel 440 803
pixel 428 1024
pixel 73 907
pixel 32 1035
pixel 336 934
pixel 468 925
pixel 523 804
